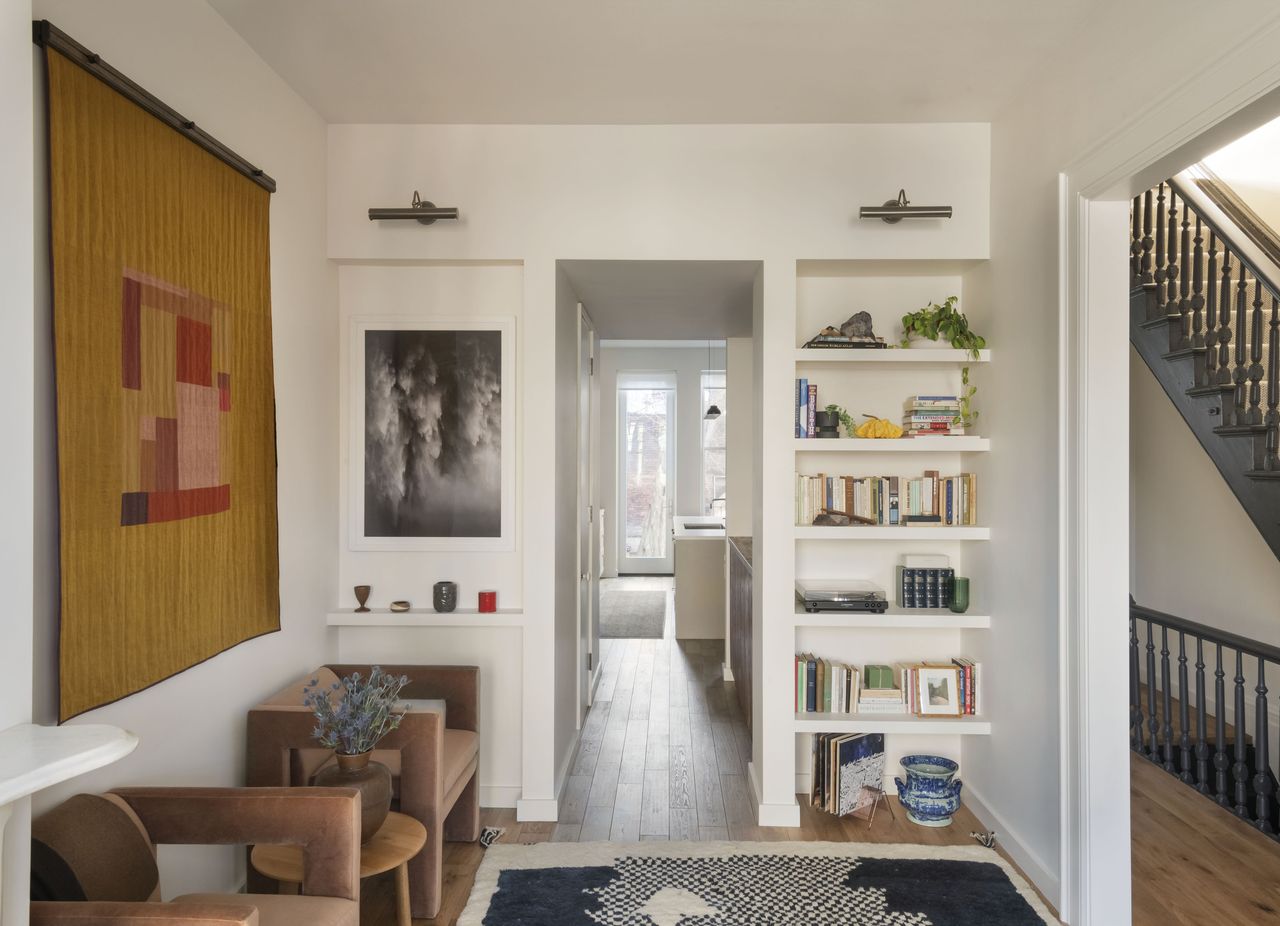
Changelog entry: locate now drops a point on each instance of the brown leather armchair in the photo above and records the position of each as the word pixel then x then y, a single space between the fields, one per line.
pixel 435 768
pixel 93 857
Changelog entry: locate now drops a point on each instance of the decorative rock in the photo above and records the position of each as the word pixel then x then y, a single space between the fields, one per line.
pixel 831 520
pixel 858 326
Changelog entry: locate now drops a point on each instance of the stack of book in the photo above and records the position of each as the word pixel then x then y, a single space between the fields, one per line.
pixel 882 695
pixel 931 416
pixel 825 687
pixel 847 771
pixel 889 500
pixel 806 408
pixel 967 688
pixel 925 580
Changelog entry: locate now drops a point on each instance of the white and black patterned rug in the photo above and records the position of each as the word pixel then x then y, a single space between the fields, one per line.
pixel 749 884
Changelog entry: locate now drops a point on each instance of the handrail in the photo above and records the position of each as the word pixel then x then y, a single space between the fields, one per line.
pixel 1209 634
pixel 1233 206
pixel 1220 222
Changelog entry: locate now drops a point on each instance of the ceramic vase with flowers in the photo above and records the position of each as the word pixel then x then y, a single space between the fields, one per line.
pixel 351 717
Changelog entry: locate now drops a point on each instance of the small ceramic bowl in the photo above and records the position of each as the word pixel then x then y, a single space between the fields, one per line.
pixel 399 606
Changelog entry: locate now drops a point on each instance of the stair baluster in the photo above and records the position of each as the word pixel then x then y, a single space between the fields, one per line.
pixel 1224 333
pixel 1184 715
pixel 1171 306
pixel 1240 771
pixel 1254 414
pixel 1183 341
pixel 1166 689
pixel 1271 456
pixel 1263 786
pixel 1155 306
pixel 1148 280
pixel 1202 747
pixel 1210 340
pixel 1238 416
pixel 1135 242
pixel 1135 689
pixel 1197 292
pixel 1221 761
pixel 1153 715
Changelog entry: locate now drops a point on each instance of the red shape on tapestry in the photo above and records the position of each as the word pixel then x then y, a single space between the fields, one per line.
pixel 195 352
pixel 166 454
pixel 131 335
pixel 187 503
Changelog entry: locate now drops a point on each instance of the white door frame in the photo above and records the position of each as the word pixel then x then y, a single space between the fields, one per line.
pixel 667 565
pixel 1225 98
pixel 588 674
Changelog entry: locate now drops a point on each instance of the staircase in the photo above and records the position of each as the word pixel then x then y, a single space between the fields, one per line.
pixel 1204 307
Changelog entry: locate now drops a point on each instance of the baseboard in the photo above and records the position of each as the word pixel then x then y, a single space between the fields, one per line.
pixel 543 811
pixel 726 672
pixel 1031 864
pixel 499 795
pixel 771 814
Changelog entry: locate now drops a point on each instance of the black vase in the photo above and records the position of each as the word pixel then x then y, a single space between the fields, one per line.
pixel 826 424
pixel 444 596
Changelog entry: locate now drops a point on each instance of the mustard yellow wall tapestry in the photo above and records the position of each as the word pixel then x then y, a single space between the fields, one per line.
pixel 166 409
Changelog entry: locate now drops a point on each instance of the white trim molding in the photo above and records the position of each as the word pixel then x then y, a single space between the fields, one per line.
pixel 537 811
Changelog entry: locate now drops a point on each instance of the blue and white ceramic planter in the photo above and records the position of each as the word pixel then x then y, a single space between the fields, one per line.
pixel 931 792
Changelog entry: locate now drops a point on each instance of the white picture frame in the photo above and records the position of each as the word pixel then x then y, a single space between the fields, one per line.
pixel 938 691
pixel 368 521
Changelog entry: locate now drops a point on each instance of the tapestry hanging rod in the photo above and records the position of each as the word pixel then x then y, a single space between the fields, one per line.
pixel 47 35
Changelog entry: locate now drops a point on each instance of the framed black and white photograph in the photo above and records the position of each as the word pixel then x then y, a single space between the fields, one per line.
pixel 432 434
pixel 939 691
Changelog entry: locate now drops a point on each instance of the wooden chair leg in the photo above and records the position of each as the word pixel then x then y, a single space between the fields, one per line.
pixel 402 895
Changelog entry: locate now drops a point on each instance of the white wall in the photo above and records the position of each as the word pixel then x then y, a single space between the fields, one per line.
pixel 1176 487
pixel 687 363
pixel 740 436
pixel 16 375
pixel 1248 165
pixel 192 726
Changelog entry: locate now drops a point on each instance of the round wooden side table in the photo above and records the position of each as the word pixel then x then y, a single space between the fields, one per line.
pixel 398 840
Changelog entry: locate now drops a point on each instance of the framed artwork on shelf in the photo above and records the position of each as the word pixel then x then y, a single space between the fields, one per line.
pixel 939 691
pixel 432 451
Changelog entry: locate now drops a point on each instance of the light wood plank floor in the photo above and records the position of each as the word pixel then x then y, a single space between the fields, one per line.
pixel 663 755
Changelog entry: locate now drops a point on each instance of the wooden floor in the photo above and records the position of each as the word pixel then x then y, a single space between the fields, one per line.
pixel 662 755
pixel 1194 863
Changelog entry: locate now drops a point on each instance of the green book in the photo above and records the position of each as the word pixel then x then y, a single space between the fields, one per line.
pixel 826 687
pixel 878 677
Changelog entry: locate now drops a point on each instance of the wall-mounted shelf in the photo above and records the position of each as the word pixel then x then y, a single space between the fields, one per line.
pixel 894 445
pixel 906 355
pixel 419 617
pixel 908 532
pixel 894 619
pixel 891 723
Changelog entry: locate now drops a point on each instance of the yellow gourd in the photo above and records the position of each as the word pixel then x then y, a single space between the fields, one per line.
pixel 878 428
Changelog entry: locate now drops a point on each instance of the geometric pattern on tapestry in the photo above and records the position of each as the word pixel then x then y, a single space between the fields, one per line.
pixel 177 396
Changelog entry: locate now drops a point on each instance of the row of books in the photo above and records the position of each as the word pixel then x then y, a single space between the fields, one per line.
pixel 923 689
pixel 889 500
pixel 925 587
pixel 932 416
pixel 847 772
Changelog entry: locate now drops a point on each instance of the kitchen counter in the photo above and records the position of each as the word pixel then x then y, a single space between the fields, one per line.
pixel 681 531
pixel 743 546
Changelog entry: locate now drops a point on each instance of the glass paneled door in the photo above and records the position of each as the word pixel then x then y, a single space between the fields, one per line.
pixel 646 473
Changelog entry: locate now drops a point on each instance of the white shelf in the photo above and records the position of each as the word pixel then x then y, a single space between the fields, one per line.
pixel 957 444
pixel 891 723
pixel 421 617
pixel 890 355
pixel 894 619
pixel 906 532
pixel 33 757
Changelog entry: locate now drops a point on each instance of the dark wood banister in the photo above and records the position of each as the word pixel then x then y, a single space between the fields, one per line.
pixel 1255 648
pixel 1246 250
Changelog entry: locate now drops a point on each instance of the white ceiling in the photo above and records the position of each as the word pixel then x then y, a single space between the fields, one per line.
pixel 665 299
pixel 659 61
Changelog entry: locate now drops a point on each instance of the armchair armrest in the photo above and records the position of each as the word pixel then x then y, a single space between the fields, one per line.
pixel 117 913
pixel 324 822
pixel 458 686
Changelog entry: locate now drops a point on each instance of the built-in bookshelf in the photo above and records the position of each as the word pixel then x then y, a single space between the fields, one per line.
pixel 877 382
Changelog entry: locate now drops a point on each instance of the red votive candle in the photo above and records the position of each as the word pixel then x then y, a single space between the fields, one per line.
pixel 488 602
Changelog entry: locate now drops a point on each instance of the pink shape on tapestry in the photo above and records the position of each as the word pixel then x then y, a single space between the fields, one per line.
pixel 197 436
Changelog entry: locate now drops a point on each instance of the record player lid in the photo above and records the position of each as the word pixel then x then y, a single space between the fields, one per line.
pixel 837 590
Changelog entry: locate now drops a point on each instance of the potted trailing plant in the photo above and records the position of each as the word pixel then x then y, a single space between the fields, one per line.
pixel 939 326
pixel 351 717
pixel 833 416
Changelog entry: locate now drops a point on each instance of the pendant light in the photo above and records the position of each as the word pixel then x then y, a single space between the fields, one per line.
pixel 713 410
